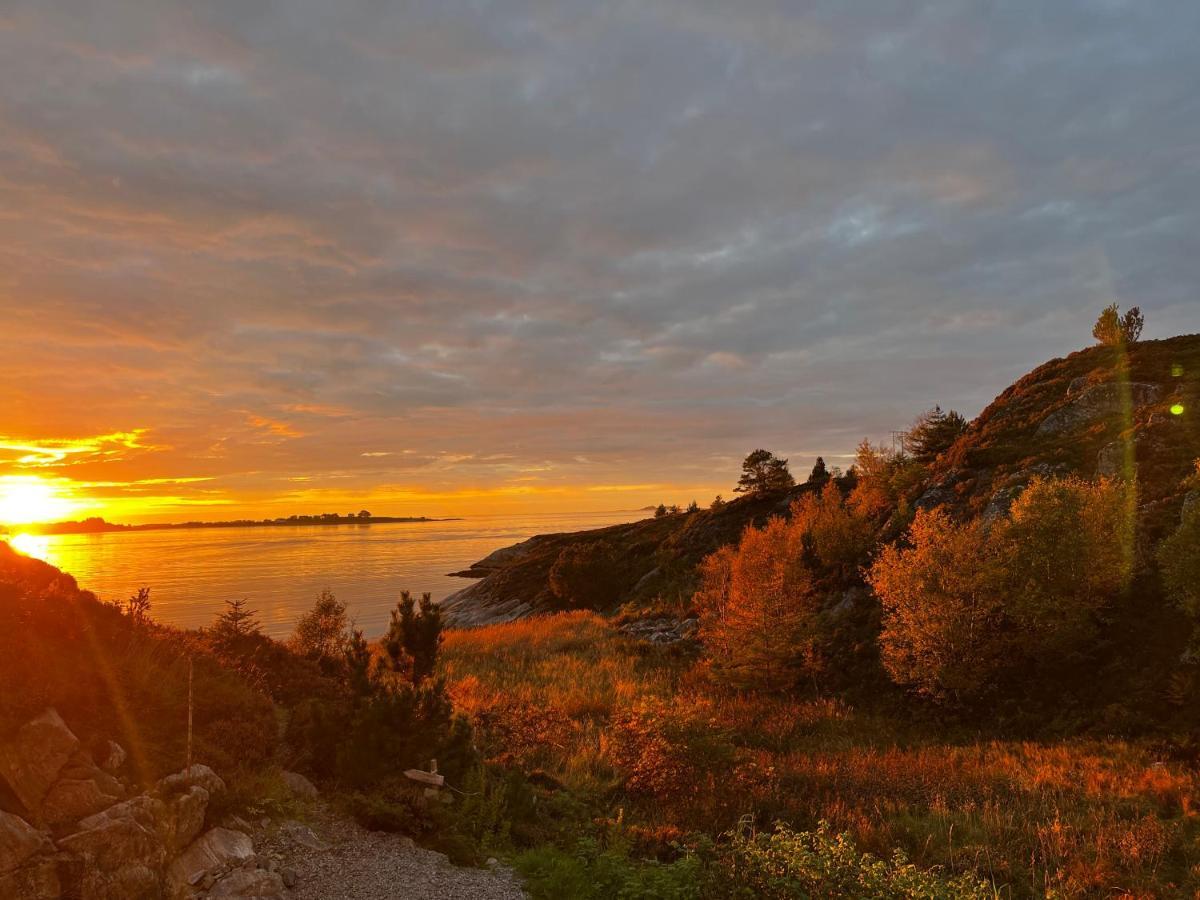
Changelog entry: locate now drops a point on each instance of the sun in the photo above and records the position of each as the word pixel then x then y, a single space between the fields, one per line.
pixel 28 498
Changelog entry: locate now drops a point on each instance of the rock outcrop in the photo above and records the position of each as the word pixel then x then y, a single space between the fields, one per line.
pixel 1099 402
pixel 93 845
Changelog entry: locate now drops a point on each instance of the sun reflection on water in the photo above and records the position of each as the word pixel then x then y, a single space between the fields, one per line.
pixel 35 545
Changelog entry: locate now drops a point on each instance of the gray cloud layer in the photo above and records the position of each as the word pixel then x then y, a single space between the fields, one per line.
pixel 565 242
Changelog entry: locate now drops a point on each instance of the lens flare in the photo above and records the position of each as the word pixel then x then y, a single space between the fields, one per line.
pixel 1177 409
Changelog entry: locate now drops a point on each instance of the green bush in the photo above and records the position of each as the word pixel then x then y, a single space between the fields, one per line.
pixel 802 864
pixel 606 874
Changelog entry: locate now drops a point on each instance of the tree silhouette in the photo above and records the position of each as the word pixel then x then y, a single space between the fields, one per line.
pixel 763 473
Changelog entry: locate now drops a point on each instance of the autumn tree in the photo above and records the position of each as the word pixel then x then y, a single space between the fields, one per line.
pixel 1068 548
pixel 764 473
pixel 1115 330
pixel 839 536
pixel 965 604
pixel 932 434
pixel 322 634
pixel 759 609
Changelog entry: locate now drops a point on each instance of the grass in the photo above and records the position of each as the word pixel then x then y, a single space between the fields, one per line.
pixel 649 739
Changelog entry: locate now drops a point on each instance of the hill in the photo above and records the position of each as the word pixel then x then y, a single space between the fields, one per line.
pixel 1096 412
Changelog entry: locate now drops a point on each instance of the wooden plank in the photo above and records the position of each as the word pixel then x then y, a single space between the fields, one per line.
pixel 425 777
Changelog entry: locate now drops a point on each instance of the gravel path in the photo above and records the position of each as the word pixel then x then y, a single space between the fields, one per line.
pixel 347 862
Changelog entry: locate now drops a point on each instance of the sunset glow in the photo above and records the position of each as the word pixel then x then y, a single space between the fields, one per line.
pixel 27 498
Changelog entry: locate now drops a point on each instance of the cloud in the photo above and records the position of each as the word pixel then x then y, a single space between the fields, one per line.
pixel 641 234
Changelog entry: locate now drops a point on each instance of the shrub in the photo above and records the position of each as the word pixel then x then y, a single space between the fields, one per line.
pixel 964 604
pixel 322 633
pixel 786 864
pixel 944 629
pixel 1115 330
pixel 414 636
pixel 1179 560
pixel 1068 549
pixel 585 575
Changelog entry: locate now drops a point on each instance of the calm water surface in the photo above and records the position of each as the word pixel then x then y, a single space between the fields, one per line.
pixel 282 569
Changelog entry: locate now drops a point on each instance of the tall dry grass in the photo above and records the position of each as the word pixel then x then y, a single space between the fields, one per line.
pixel 652 735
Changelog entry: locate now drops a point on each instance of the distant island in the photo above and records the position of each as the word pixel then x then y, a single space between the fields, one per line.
pixel 96 525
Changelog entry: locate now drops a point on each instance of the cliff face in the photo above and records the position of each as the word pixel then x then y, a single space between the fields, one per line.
pixel 1096 412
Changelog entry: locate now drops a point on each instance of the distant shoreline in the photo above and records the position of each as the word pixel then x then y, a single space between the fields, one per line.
pixel 99 526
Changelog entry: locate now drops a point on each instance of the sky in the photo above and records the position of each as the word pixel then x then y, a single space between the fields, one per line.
pixel 442 258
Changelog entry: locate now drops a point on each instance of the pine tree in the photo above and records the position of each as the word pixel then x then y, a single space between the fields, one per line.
pixel 764 473
pixel 819 474
pixel 933 434
pixel 238 621
pixel 414 637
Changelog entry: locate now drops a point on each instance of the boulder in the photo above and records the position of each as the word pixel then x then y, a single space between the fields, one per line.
pixel 249 883
pixel 19 841
pixel 216 849
pixel 122 853
pixel 183 818
pixel 300 786
pixel 196 775
pixel 37 879
pixel 31 762
pixel 115 758
pixel 1098 402
pixel 303 836
pixel 82 788
pixel 1111 459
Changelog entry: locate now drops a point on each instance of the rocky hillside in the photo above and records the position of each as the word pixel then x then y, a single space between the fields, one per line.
pixel 1096 412
pixel 654 559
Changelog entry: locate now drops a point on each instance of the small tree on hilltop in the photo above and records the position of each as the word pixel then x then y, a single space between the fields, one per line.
pixel 660 511
pixel 764 473
pixel 1115 330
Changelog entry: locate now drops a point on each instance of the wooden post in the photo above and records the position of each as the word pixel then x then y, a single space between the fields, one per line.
pixel 189 729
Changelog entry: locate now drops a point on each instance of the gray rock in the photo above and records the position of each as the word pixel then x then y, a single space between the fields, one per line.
pixel 19 841
pixel 1111 459
pixel 31 762
pixel 116 757
pixel 216 849
pixel 82 788
pixel 302 835
pixel 248 883
pixel 122 853
pixel 1077 385
pixel 37 879
pixel 196 775
pixel 1097 402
